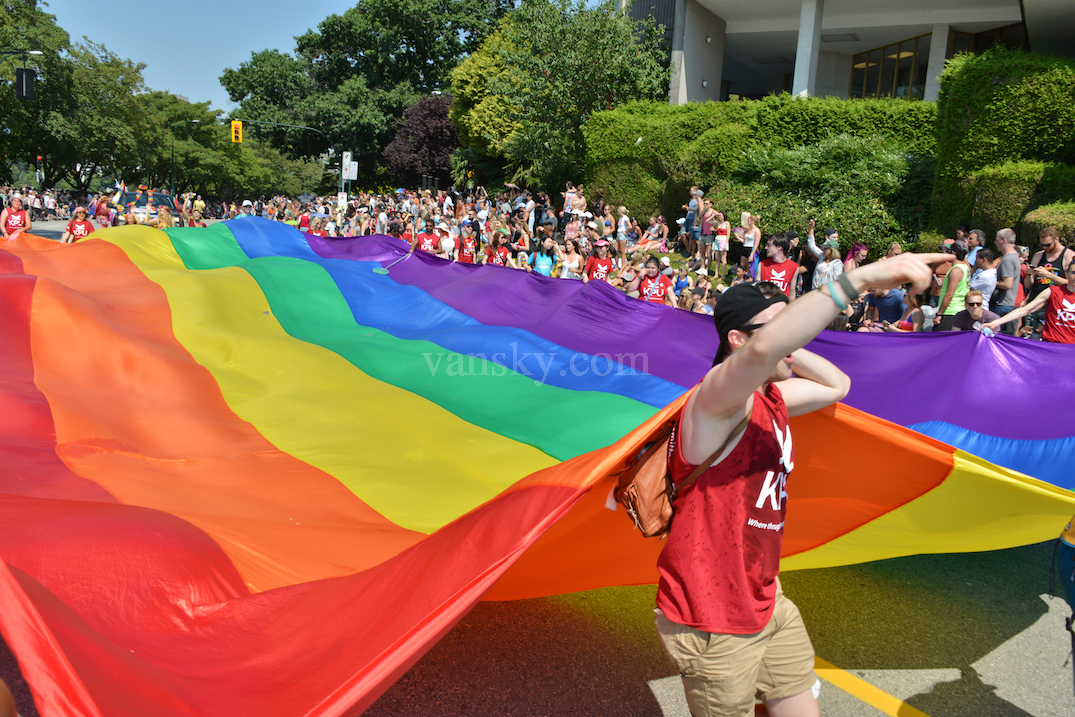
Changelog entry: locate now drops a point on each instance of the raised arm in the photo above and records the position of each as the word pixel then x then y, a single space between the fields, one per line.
pixel 1037 303
pixel 726 393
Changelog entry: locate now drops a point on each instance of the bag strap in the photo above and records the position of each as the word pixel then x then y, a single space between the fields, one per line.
pixel 705 464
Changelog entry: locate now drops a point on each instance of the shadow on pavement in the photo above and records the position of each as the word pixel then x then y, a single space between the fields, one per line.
pixel 584 654
pixel 927 612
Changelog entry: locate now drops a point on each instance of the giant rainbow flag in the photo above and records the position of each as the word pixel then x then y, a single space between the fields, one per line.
pixel 232 454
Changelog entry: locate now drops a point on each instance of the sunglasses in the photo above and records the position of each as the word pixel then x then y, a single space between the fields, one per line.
pixel 976 303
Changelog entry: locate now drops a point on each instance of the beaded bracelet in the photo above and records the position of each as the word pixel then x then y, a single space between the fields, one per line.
pixel 848 287
pixel 832 293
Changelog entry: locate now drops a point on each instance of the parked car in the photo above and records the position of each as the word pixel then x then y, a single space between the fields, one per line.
pixel 141 201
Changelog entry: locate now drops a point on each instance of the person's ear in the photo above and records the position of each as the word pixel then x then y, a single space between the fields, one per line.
pixel 736 339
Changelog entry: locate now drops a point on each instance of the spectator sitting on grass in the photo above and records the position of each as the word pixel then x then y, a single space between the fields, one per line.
pixel 913 318
pixel 883 307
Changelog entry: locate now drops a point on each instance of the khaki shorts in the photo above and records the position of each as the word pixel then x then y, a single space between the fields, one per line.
pixel 722 674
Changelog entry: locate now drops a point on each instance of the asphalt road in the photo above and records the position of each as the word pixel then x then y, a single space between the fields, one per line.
pixel 950 635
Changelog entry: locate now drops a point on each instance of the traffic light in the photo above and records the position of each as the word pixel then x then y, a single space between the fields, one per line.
pixel 236 131
pixel 24 84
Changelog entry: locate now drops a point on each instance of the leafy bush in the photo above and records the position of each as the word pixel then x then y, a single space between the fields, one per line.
pixel 1060 215
pixel 1003 194
pixel 863 166
pixel 830 168
pixel 929 242
pixel 787 121
pixel 996 107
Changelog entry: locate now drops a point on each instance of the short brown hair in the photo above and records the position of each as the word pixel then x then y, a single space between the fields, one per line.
pixel 1050 232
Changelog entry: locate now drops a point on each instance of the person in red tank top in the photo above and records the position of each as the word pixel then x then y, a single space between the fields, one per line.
pixel 426 241
pixel 721 613
pixel 78 228
pixel 1059 303
pixel 497 253
pixel 601 265
pixel 14 218
pixel 653 286
pixel 466 245
pixel 777 268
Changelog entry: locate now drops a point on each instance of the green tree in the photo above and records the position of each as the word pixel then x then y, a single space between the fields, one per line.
pixel 562 61
pixel 101 135
pixel 480 114
pixel 354 75
pixel 25 26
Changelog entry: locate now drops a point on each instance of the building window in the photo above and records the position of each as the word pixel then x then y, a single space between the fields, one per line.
pixel 897 70
pixel 1011 36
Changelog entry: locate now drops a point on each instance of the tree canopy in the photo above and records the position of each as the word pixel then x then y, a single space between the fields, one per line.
pixel 93 120
pixel 354 75
pixel 527 93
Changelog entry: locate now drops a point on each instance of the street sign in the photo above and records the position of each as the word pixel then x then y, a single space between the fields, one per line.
pixel 346 158
pixel 341 200
pixel 352 171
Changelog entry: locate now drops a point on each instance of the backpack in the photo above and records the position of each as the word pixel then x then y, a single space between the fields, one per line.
pixel 645 489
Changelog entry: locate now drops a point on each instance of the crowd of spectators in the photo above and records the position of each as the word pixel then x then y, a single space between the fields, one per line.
pixel 686 264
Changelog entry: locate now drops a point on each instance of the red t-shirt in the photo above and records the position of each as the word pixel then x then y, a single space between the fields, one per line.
pixel 497 256
pixel 428 242
pixel 79 229
pixel 654 289
pixel 468 249
pixel 304 222
pixel 599 268
pixel 720 561
pixel 782 274
pixel 15 221
pixel 1060 316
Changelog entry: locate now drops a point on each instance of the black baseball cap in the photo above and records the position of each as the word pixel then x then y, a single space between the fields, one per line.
pixel 738 305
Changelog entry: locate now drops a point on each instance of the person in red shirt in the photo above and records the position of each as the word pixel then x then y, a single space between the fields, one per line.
pixel 77 228
pixel 426 241
pixel 721 615
pixel 777 268
pixel 599 266
pixel 466 245
pixel 14 218
pixel 304 219
pixel 652 285
pixel 498 253
pixel 1059 303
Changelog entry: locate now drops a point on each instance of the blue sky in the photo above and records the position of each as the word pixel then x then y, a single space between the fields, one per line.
pixel 186 46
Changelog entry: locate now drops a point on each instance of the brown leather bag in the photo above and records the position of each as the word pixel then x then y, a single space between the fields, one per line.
pixel 646 489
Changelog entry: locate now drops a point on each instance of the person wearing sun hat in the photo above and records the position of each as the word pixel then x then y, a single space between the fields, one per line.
pixel 828 266
pixel 78 228
pixel 722 616
pixel 599 266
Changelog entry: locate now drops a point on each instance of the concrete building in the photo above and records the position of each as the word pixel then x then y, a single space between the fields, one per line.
pixel 840 48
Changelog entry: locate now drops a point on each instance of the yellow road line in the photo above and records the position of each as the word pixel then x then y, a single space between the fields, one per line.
pixel 864 691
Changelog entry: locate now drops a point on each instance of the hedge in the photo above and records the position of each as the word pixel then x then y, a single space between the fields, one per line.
pixel 1060 215
pixel 997 107
pixel 659 136
pixel 1005 193
pixel 862 166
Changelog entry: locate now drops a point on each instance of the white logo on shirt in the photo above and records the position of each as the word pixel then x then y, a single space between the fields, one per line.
pixel 776 276
pixel 775 486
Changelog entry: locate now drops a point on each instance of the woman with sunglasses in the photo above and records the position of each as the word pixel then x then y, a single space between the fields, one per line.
pixel 14 218
pixel 78 228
